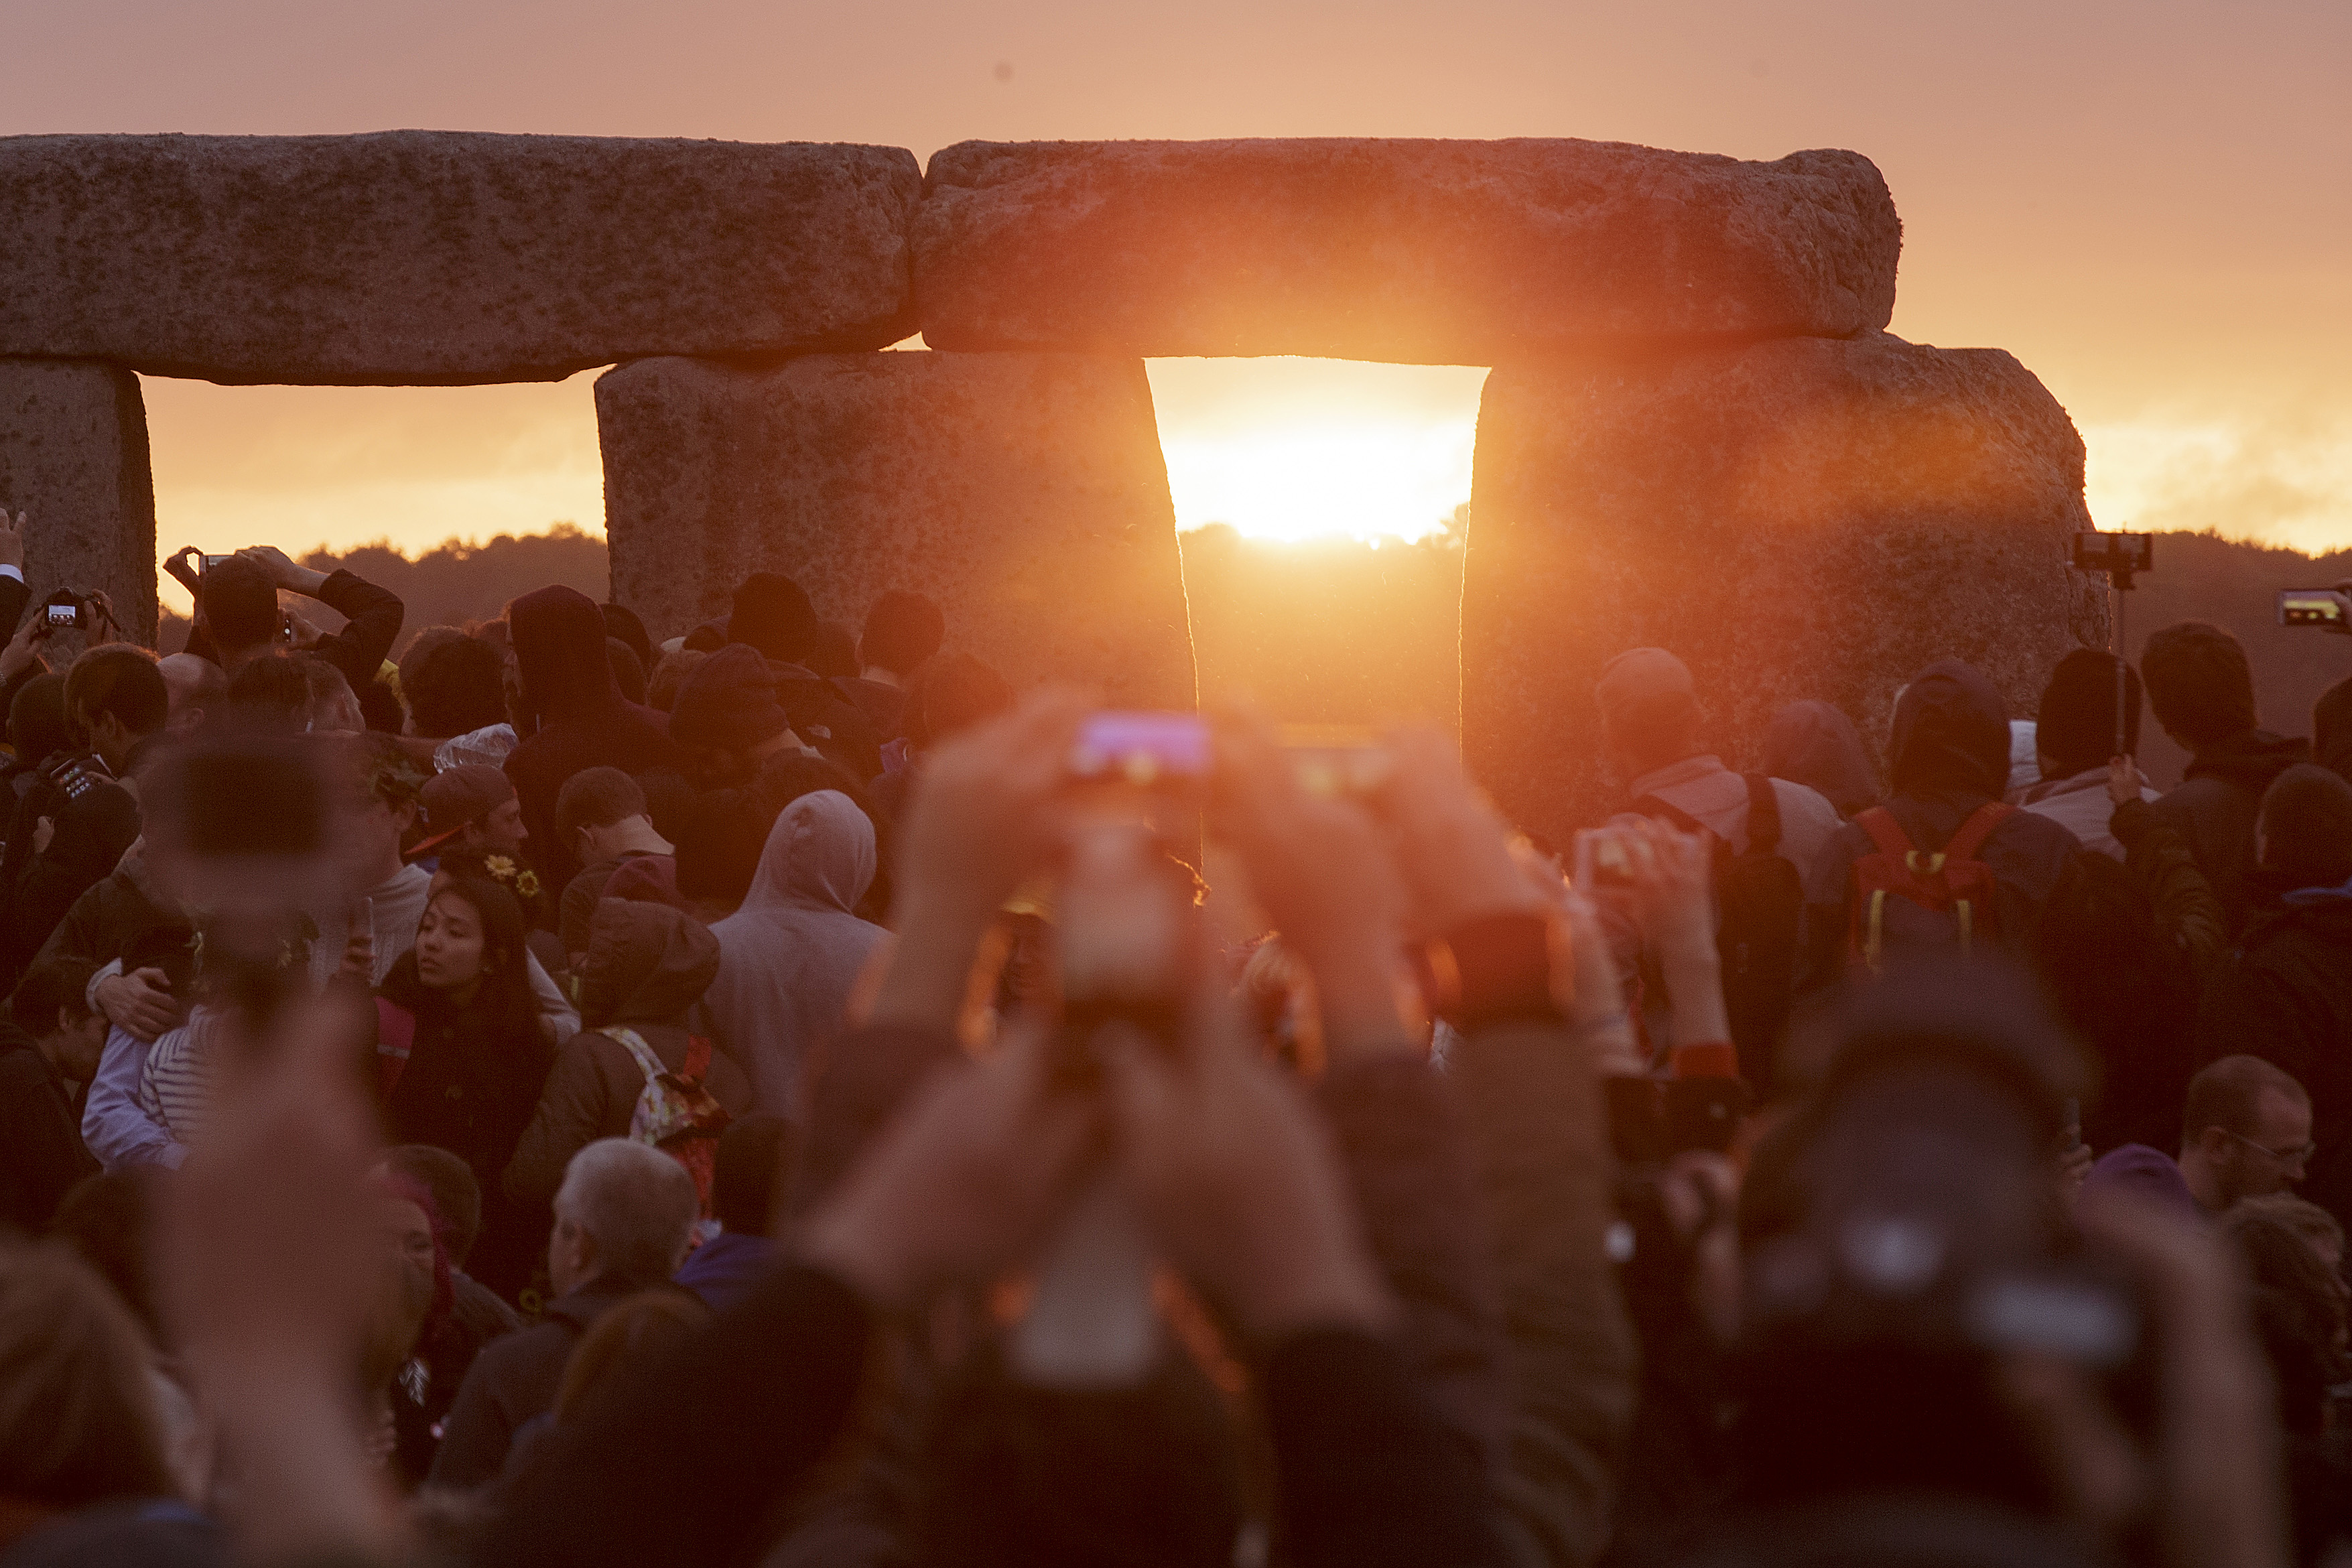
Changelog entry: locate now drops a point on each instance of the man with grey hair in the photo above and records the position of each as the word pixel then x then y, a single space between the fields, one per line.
pixel 622 1219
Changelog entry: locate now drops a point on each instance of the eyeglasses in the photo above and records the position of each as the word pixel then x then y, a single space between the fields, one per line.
pixel 2289 1158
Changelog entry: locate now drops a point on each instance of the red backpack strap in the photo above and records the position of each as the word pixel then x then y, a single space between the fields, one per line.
pixel 1884 831
pixel 396 1035
pixel 1977 830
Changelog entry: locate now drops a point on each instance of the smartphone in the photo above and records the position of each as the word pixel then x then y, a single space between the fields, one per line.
pixel 1146 750
pixel 2325 609
pixel 1337 760
pixel 2124 553
pixel 286 627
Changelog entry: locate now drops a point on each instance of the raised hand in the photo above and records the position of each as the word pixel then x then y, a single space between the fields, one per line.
pixel 271 1265
pixel 966 1180
pixel 12 538
pixel 1235 1174
pixel 1321 871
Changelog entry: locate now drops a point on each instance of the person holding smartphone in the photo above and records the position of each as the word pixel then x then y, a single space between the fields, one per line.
pixel 237 615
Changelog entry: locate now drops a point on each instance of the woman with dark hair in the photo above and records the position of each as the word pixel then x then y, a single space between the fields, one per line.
pixel 459 1056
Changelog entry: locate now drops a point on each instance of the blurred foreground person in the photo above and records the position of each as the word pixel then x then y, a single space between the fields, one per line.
pixel 83 1478
pixel 1932 1368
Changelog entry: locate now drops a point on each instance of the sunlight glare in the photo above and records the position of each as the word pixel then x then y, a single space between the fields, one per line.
pixel 1293 449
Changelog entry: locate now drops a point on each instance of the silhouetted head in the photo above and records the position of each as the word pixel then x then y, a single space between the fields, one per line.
pixel 902 631
pixel 2199 683
pixel 2306 829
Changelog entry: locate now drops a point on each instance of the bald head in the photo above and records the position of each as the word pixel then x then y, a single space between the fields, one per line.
pixel 195 685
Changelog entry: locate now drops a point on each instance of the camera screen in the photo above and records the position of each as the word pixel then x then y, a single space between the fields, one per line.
pixel 1142 749
pixel 2114 552
pixel 64 615
pixel 2323 607
pixel 212 561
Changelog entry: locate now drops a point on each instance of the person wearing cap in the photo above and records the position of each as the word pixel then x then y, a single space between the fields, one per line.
pixel 471 808
pixel 728 718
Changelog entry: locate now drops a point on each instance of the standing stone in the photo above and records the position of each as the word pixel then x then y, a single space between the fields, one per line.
pixel 1418 252
pixel 443 258
pixel 1025 493
pixel 1798 519
pixel 73 454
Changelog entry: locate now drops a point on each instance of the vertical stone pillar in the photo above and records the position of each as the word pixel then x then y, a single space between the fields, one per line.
pixel 1023 492
pixel 73 454
pixel 1807 517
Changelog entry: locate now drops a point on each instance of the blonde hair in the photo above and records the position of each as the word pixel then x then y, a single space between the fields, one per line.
pixel 79 1423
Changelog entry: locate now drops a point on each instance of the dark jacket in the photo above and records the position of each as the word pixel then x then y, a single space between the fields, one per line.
pixel 1950 756
pixel 516 1378
pixel 884 705
pixel 473 1073
pixel 423 1395
pixel 41 1152
pixel 578 718
pixel 374 615
pixel 826 717
pixel 92 830
pixel 2215 805
pixel 112 914
pixel 646 966
pixel 2285 995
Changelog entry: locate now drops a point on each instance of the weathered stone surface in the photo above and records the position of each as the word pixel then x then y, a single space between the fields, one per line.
pixel 1414 252
pixel 1806 518
pixel 434 256
pixel 1025 494
pixel 73 454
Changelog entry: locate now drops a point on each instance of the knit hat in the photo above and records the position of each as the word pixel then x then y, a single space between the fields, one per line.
pixel 729 703
pixel 2077 725
pixel 772 613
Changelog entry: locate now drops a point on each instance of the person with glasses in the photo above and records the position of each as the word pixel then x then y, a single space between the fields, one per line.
pixel 2245 1133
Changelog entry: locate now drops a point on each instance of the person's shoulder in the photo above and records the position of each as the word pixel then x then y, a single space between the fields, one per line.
pixel 1797 800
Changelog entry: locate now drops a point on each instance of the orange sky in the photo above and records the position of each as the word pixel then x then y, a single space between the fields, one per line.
pixel 2149 202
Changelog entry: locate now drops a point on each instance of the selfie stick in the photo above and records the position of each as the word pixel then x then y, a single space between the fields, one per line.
pixel 2120 581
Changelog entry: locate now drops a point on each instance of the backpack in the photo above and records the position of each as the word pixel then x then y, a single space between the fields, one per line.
pixel 678 1114
pixel 1759 900
pixel 1915 897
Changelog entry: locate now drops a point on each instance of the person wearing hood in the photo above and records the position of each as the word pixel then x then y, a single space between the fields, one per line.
pixel 2074 736
pixel 773 614
pixel 790 954
pixel 648 965
pixel 726 720
pixel 574 712
pixel 2285 994
pixel 2202 692
pixel 1950 757
pixel 1813 743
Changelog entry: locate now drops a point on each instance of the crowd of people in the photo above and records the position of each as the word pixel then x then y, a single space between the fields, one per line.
pixel 554 1095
